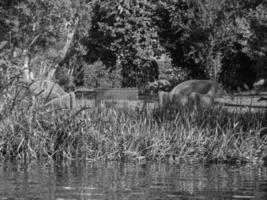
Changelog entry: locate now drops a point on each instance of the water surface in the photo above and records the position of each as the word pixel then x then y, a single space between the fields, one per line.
pixel 119 181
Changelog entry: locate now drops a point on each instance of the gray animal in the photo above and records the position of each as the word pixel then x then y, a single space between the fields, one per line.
pixel 261 84
pixel 199 93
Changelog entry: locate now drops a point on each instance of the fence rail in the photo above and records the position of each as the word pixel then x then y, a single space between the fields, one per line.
pixel 242 105
pixel 244 100
pixel 250 94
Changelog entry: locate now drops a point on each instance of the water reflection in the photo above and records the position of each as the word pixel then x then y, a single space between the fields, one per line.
pixel 121 181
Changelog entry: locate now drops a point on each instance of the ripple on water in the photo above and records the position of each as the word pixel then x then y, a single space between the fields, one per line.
pixel 114 180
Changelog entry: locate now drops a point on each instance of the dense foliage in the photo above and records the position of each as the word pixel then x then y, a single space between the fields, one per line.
pixel 214 37
pixel 206 38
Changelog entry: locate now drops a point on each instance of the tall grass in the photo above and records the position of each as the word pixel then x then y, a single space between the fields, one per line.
pixel 29 130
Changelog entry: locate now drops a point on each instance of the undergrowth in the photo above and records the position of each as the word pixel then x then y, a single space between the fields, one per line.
pixel 31 131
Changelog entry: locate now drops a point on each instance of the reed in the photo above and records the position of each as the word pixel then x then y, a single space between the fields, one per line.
pixel 30 130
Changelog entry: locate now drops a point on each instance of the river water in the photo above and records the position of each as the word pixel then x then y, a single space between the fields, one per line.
pixel 119 181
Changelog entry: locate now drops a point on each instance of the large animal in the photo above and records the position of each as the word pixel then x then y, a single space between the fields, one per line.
pixel 199 93
pixel 51 94
pixel 261 84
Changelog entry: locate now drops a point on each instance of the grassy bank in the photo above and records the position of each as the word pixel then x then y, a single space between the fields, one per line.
pixel 29 131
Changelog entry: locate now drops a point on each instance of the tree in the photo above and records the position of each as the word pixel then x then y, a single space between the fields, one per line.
pixel 41 26
pixel 204 38
pixel 123 37
pixel 197 33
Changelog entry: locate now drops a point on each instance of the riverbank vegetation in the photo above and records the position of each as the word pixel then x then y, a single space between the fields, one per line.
pixel 29 131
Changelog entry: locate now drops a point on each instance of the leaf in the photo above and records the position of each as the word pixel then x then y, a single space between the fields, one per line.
pixel 3 44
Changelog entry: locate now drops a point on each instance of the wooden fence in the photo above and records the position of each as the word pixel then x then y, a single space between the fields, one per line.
pixel 128 97
pixel 122 97
pixel 244 101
